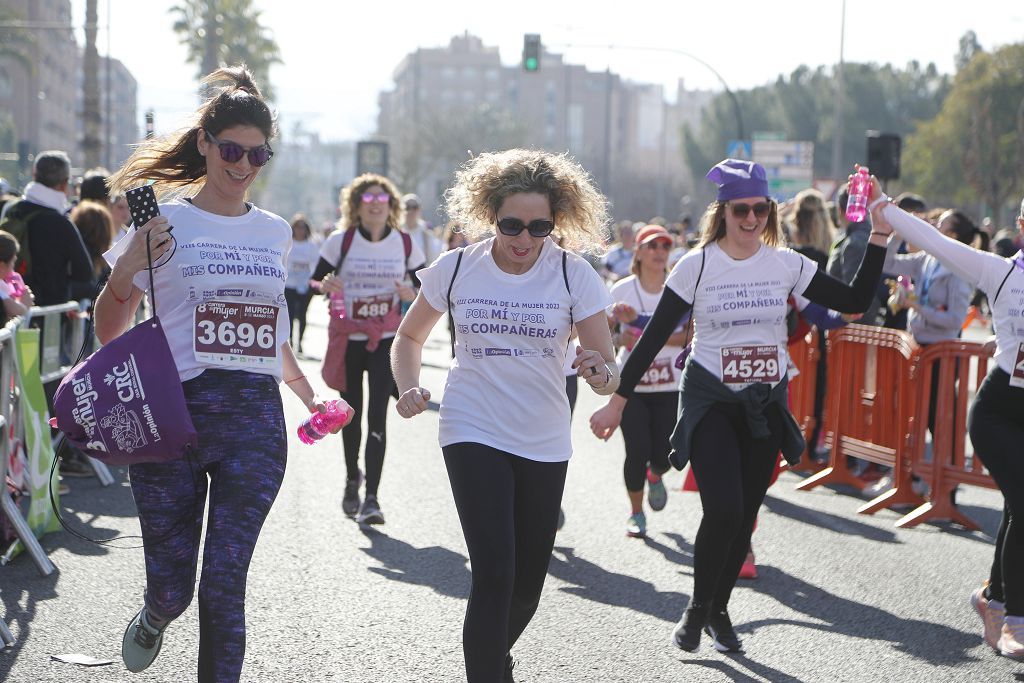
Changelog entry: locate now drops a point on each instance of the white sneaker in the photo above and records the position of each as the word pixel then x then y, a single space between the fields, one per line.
pixel 878 488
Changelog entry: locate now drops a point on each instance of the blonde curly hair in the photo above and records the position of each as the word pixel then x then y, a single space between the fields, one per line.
pixel 484 182
pixel 352 196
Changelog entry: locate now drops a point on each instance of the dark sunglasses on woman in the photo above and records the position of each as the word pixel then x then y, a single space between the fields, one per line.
pixel 741 211
pixel 513 226
pixel 232 151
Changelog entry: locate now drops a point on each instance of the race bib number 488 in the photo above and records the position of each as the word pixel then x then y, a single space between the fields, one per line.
pixel 231 334
pixel 747 364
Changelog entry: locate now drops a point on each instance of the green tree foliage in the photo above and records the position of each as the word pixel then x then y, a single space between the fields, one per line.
pixel 223 32
pixel 973 148
pixel 802 107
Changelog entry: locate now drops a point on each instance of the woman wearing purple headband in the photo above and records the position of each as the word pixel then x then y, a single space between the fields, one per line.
pixel 733 415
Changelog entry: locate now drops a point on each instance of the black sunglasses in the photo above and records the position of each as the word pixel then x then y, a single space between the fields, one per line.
pixel 741 211
pixel 232 151
pixel 513 226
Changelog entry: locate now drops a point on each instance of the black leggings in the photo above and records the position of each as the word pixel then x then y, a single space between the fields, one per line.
pixel 994 424
pixel 733 471
pixel 647 422
pixel 508 507
pixel 298 304
pixel 377 366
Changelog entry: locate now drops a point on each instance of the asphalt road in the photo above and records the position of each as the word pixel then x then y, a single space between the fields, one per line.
pixel 840 597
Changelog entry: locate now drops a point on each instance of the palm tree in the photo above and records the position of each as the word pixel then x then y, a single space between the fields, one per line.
pixel 221 32
pixel 91 117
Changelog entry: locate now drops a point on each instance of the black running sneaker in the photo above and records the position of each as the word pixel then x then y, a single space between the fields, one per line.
pixel 509 665
pixel 686 635
pixel 719 627
pixel 350 501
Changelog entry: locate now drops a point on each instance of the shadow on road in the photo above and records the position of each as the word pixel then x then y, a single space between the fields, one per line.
pixel 728 670
pixel 31 589
pixel 827 520
pixel 593 582
pixel 934 643
pixel 443 570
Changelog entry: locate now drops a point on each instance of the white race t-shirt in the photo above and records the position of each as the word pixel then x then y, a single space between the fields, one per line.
pixel 662 375
pixel 506 386
pixel 302 260
pixel 369 273
pixel 220 296
pixel 740 310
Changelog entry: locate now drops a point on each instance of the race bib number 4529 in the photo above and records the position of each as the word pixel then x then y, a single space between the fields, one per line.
pixel 232 334
pixel 754 363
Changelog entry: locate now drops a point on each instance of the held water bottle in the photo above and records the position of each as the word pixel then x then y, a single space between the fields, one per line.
pixel 860 190
pixel 337 305
pixel 319 425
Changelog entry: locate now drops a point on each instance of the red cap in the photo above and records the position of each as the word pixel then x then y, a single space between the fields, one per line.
pixel 649 233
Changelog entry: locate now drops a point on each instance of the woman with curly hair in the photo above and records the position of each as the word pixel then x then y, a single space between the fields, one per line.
pixel 364 266
pixel 504 419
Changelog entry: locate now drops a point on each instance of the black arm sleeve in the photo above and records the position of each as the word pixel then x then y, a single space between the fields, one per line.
pixel 323 267
pixel 856 296
pixel 671 308
pixel 412 275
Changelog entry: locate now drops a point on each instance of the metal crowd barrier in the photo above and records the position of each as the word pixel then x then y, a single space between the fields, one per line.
pixel 61 337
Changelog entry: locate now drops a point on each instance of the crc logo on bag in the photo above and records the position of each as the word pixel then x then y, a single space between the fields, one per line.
pixel 125 403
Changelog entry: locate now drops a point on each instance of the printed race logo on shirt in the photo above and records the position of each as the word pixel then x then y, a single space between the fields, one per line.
pixel 747 364
pixel 229 333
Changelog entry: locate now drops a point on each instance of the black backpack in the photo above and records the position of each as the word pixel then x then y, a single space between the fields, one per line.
pixel 16 222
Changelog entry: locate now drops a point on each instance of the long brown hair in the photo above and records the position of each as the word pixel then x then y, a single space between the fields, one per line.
pixel 174 161
pixel 712 225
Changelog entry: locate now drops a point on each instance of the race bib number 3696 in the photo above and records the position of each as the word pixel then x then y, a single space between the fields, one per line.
pixel 754 363
pixel 233 334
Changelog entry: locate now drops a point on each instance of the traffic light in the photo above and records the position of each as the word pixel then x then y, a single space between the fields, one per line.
pixel 531 52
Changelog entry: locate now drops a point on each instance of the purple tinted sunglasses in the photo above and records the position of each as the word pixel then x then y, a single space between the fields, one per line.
pixel 232 151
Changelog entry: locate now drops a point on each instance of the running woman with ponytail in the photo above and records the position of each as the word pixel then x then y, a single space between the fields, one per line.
pixel 219 278
pixel 504 418
pixel 369 262
pixel 733 416
pixel 994 422
pixel 648 419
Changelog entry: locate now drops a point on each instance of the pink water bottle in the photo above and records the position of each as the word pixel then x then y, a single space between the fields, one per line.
pixel 337 305
pixel 319 425
pixel 860 190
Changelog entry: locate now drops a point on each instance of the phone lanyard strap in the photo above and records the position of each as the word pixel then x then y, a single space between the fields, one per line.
pixel 149 260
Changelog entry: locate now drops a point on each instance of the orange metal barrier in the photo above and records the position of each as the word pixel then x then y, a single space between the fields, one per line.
pixel 805 354
pixel 962 367
pixel 871 375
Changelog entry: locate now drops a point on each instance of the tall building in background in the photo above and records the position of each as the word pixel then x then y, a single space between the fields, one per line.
pixel 458 100
pixel 42 100
pixel 122 130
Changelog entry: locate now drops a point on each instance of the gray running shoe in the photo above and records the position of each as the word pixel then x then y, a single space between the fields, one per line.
pixel 141 643
pixel 350 501
pixel 369 512
pixel 657 496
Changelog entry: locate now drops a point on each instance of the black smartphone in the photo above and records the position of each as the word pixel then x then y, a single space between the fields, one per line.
pixel 142 205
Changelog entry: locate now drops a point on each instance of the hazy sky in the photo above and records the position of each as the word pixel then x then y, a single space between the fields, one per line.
pixel 339 55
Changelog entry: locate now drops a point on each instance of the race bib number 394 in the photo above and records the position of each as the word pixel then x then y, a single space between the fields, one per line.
pixel 233 334
pixel 746 364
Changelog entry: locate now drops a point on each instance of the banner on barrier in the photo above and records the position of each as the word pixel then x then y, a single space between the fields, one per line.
pixel 38 443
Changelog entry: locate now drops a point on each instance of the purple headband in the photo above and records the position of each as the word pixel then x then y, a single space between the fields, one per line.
pixel 737 178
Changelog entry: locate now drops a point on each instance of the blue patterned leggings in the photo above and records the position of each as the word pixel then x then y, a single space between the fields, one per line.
pixel 240 460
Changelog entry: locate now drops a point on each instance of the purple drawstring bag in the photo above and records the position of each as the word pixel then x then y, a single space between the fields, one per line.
pixel 125 404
